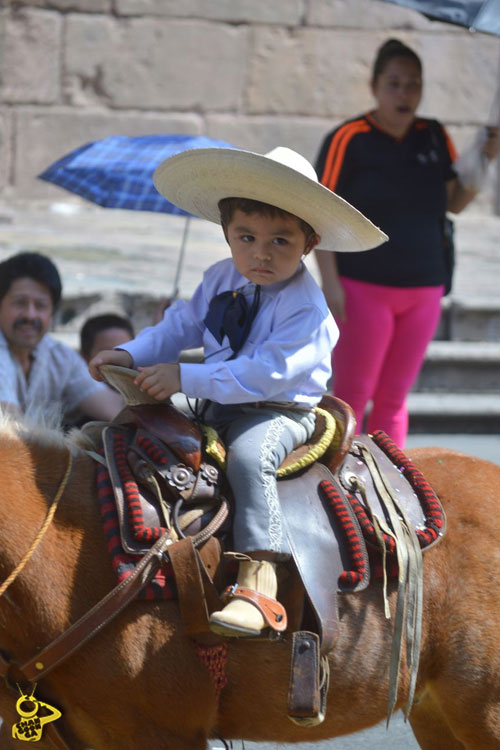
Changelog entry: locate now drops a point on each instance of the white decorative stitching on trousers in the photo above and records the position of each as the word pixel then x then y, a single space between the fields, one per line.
pixel 268 473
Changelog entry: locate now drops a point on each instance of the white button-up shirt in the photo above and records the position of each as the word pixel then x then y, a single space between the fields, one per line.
pixel 286 357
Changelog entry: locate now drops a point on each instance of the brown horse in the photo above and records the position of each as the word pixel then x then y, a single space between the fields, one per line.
pixel 140 683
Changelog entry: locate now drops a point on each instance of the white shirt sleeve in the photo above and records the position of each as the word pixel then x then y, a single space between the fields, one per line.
pixel 8 376
pixel 181 328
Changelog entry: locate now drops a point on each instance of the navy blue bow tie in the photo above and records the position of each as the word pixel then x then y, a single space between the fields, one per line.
pixel 230 315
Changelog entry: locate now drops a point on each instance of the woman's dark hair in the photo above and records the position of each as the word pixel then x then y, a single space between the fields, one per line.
pixel 33 266
pixel 98 323
pixel 388 51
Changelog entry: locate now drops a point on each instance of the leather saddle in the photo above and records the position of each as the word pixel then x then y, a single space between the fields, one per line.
pixel 165 480
pixel 161 484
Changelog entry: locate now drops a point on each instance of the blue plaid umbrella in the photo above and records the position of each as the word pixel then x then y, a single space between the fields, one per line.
pixel 477 15
pixel 117 172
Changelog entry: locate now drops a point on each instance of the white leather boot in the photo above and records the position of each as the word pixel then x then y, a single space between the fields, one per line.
pixel 243 618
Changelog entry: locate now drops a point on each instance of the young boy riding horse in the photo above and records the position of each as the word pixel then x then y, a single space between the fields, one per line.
pixel 267 335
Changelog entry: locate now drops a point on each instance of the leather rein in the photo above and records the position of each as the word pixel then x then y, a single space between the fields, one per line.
pixel 86 626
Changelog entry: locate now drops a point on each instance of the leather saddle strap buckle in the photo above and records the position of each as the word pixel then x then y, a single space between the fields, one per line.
pixel 271 610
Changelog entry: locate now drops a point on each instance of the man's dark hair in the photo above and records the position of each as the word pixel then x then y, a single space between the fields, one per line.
pixel 227 207
pixel 33 266
pixel 99 323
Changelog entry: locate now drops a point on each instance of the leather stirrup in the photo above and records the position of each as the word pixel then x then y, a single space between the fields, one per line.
pixel 271 610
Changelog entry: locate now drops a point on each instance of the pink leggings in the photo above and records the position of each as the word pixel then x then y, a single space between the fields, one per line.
pixel 381 348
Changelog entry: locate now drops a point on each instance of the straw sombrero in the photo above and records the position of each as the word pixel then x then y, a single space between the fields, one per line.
pixel 197 179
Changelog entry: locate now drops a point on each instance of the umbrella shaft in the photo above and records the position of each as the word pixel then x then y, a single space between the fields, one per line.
pixel 180 260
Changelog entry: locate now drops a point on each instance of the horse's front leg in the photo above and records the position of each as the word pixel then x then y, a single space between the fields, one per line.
pixel 429 725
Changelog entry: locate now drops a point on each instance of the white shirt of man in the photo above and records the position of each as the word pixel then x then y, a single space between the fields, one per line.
pixel 59 378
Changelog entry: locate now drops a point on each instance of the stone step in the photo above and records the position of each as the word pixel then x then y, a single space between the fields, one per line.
pixel 470 319
pixel 454 413
pixel 467 366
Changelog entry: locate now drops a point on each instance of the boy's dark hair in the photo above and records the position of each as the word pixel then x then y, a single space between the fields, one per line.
pixel 34 266
pixel 227 207
pixel 388 51
pixel 98 323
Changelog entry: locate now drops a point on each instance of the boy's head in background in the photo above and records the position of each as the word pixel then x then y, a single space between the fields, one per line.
pixel 104 332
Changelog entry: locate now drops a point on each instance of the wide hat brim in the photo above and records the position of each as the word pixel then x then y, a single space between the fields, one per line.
pixel 197 179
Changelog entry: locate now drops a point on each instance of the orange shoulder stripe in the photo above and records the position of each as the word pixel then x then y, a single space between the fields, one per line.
pixel 336 151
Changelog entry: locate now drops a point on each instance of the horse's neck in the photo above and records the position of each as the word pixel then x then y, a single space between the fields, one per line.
pixel 40 603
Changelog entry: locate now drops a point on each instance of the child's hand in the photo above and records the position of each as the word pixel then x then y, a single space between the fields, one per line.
pixel 159 381
pixel 109 357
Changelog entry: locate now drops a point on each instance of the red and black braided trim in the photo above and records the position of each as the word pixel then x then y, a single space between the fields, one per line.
pixel 152 450
pixel 138 527
pixel 433 511
pixel 162 585
pixel 367 526
pixel 355 545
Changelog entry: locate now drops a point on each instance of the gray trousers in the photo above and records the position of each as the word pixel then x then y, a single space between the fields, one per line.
pixel 257 441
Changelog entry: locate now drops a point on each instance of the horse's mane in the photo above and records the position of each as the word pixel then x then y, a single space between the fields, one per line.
pixel 40 428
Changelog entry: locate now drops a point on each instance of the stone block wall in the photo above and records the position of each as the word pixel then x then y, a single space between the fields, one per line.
pixel 253 72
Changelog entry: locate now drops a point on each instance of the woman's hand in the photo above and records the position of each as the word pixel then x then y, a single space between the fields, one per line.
pixel 472 169
pixel 335 298
pixel 109 357
pixel 159 381
pixel 331 284
pixel 491 147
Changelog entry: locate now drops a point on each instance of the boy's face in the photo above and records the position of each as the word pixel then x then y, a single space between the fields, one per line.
pixel 267 249
pixel 108 338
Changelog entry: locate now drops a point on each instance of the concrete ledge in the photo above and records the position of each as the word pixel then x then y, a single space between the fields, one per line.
pixel 463 351
pixel 454 413
pixel 461 366
pixel 455 404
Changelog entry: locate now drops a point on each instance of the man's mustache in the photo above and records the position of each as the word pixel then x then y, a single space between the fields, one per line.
pixel 27 322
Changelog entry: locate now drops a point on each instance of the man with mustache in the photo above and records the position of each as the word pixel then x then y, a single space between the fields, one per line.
pixel 37 372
